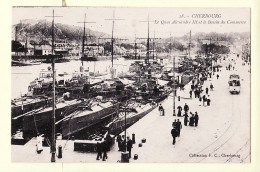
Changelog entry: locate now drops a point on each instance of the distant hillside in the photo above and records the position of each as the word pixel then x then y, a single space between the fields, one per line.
pixel 227 37
pixel 39 30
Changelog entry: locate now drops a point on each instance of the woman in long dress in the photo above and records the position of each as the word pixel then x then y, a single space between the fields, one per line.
pixel 39 148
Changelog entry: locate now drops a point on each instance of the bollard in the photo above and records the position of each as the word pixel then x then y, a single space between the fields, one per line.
pixel 140 144
pixel 133 138
pixel 124 157
pixel 135 156
pixel 60 151
pixel 143 140
pixel 179 98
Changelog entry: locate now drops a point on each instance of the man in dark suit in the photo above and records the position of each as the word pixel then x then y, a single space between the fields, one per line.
pixel 104 149
pixel 179 127
pixel 119 141
pixel 174 124
pixel 196 119
pixel 174 135
pixel 99 150
pixel 129 146
pixel 186 108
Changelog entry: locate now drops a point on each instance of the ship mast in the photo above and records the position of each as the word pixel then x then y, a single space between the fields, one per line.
pixel 135 47
pixel 153 45
pixel 189 44
pixel 25 47
pixel 84 38
pixel 53 145
pixel 53 139
pixel 83 42
pixel 148 40
pixel 15 38
pixel 173 77
pixel 112 37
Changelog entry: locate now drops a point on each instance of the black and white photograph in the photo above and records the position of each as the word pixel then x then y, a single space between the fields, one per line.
pixel 130 85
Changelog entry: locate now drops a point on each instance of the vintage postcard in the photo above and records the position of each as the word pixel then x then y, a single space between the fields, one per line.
pixel 130 85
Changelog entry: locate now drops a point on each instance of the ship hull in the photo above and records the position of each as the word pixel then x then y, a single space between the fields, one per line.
pixel 41 122
pixel 21 108
pixel 97 58
pixel 75 125
pixel 119 126
pixel 19 63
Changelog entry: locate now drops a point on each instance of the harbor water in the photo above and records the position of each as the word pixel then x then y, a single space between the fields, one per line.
pixel 23 75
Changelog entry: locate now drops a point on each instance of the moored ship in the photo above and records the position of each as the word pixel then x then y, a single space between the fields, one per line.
pixel 40 122
pixel 88 116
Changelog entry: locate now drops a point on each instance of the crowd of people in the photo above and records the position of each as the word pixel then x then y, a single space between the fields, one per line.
pixel 104 147
pixel 176 131
pixel 124 144
pixel 196 89
pixel 191 119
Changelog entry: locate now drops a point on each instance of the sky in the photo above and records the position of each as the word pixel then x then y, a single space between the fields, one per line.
pixel 132 22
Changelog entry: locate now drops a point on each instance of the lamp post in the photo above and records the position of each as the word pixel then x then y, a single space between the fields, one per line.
pixel 124 154
pixel 174 114
pixel 125 131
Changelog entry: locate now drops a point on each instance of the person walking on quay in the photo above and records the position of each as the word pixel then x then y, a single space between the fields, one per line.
pixel 191 120
pixel 197 92
pixel 186 108
pixel 186 119
pixel 123 145
pixel 179 127
pixel 196 86
pixel 208 102
pixel 99 150
pixel 105 149
pixel 119 142
pixel 39 140
pixel 204 99
pixel 211 87
pixel 192 87
pixel 174 124
pixel 179 111
pixel 174 135
pixel 207 90
pixel 129 145
pixel 217 76
pixel 190 93
pixel 196 119
pixel 200 99
pixel 160 109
